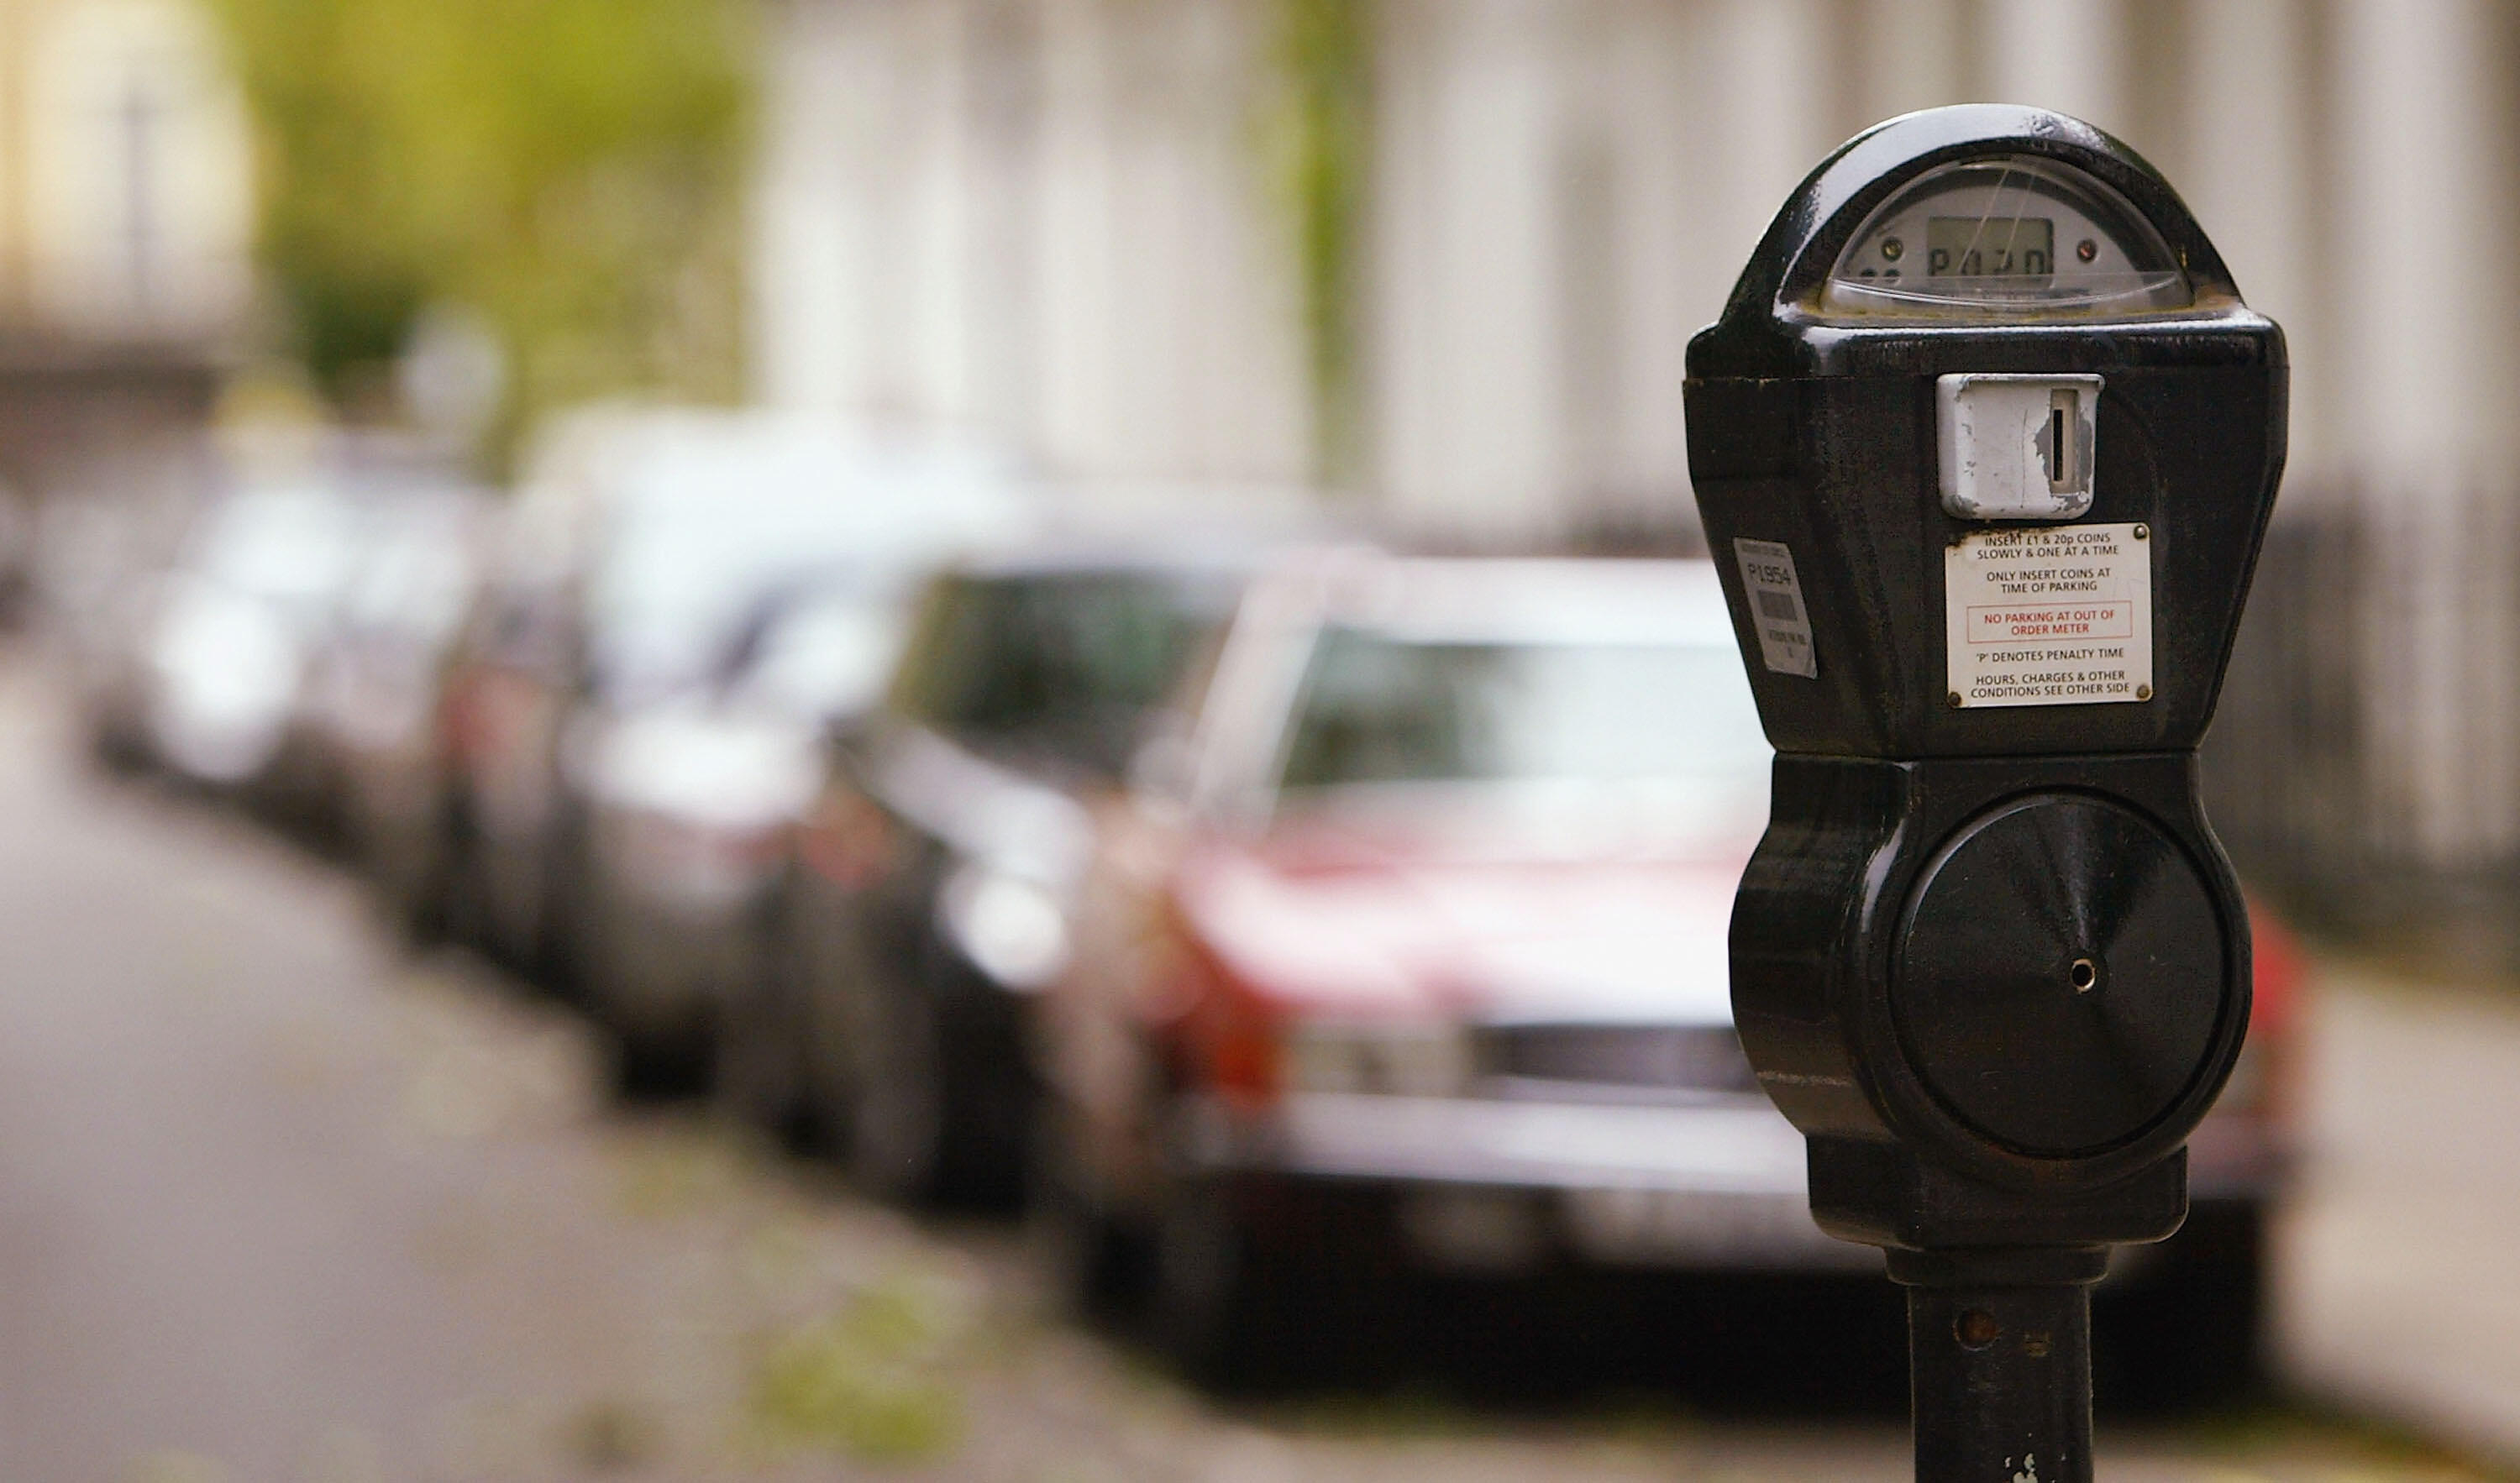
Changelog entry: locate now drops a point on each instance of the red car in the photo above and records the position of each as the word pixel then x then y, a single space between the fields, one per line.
pixel 1407 953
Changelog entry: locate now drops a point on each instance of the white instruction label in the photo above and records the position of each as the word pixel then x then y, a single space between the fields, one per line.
pixel 1777 607
pixel 2050 615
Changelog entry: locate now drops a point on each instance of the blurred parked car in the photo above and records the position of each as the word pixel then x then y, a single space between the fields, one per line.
pixel 366 737
pixel 237 619
pixel 638 546
pixel 690 803
pixel 104 545
pixel 929 902
pixel 1409 954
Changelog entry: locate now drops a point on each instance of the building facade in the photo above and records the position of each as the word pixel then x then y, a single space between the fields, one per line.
pixel 1062 223
pixel 1058 221
pixel 126 219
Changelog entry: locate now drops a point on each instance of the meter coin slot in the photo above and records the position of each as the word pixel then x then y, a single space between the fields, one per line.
pixel 2017 447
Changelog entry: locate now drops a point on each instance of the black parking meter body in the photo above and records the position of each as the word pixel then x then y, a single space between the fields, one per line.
pixel 1985 444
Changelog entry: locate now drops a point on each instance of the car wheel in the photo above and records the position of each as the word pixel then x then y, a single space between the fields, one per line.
pixel 759 1076
pixel 411 893
pixel 895 1124
pixel 2189 1333
pixel 1092 1262
pixel 565 930
pixel 1225 1301
pixel 651 1068
pixel 463 894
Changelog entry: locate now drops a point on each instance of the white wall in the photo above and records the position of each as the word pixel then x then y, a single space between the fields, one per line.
pixel 1042 220
pixel 1565 190
pixel 1055 219
pixel 1466 272
pixel 2423 410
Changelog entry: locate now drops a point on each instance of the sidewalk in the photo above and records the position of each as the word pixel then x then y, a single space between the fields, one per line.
pixel 2398 1277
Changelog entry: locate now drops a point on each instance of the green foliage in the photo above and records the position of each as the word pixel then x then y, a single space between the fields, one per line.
pixel 874 1382
pixel 568 169
pixel 1323 145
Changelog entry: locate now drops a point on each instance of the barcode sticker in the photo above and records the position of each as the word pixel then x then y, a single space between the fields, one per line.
pixel 1776 605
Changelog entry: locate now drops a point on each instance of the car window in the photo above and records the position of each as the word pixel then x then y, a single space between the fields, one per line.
pixel 824 658
pixel 286 544
pixel 1061 665
pixel 1381 710
pixel 415 575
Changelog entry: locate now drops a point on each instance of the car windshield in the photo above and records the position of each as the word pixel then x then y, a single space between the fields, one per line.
pixel 415 572
pixel 704 532
pixel 825 656
pixel 286 544
pixel 1061 666
pixel 684 572
pixel 1387 712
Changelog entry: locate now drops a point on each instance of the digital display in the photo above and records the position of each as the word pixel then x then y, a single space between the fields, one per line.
pixel 2007 236
pixel 1978 246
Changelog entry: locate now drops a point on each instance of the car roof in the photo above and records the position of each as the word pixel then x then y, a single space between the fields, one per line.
pixel 1521 599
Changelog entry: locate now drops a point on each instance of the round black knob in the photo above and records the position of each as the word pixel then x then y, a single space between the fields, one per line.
pixel 2061 974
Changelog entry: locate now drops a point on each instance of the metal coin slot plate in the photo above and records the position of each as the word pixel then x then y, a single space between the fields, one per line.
pixel 2017 447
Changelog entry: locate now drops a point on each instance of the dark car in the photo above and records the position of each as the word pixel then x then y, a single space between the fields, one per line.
pixel 369 715
pixel 929 900
pixel 635 553
pixel 692 804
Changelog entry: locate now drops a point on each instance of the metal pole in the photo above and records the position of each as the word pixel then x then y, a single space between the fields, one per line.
pixel 2000 1362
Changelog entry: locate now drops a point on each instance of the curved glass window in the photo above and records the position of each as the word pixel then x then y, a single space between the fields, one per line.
pixel 2012 236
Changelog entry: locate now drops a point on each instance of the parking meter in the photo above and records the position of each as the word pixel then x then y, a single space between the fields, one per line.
pixel 1985 445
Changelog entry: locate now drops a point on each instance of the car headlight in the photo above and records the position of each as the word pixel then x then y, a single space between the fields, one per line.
pixel 1013 930
pixel 1390 1059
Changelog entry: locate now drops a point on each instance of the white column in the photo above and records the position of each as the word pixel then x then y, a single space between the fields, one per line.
pixel 2424 369
pixel 1765 123
pixel 1170 341
pixel 2069 56
pixel 2250 141
pixel 1075 280
pixel 933 140
pixel 1221 394
pixel 802 276
pixel 2421 208
pixel 1000 106
pixel 1470 438
pixel 1634 85
pixel 1909 56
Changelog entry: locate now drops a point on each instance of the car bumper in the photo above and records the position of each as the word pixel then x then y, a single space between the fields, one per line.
pixel 1498 1186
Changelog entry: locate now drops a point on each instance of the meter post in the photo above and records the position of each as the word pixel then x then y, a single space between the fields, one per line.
pixel 1985 444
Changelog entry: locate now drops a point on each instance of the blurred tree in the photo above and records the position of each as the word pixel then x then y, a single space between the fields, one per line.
pixel 568 169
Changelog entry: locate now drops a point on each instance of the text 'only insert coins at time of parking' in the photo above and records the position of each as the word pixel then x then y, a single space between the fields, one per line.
pixel 2050 615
